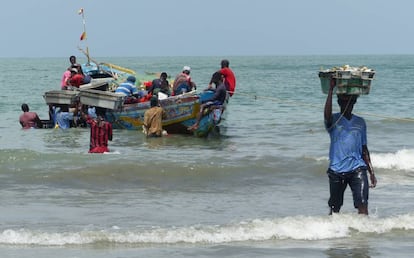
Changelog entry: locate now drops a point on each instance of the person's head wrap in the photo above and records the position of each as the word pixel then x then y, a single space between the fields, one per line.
pixel 131 79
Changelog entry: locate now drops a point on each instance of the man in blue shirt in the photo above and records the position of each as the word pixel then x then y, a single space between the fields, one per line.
pixel 349 158
pixel 129 90
pixel 63 118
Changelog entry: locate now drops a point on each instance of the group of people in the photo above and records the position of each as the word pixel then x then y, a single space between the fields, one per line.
pixel 349 157
pixel 131 93
pixel 74 76
pixel 223 80
pixel 182 84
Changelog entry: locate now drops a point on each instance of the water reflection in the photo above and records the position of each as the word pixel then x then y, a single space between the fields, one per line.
pixel 357 252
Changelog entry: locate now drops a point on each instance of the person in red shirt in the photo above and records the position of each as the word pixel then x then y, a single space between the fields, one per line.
pixel 29 119
pixel 229 77
pixel 101 133
pixel 76 78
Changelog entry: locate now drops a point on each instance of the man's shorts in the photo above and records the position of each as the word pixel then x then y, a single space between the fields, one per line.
pixel 358 182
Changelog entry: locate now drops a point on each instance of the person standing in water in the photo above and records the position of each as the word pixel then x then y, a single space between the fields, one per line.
pixel 29 119
pixel 349 158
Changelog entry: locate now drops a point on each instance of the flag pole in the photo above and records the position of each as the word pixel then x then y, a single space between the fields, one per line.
pixel 84 36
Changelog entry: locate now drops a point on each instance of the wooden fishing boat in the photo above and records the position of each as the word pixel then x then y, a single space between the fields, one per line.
pixel 181 110
pixel 181 113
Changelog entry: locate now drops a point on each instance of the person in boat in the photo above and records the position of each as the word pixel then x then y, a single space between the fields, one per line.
pixel 72 61
pixel 29 119
pixel 165 88
pixel 183 83
pixel 129 90
pixel 76 78
pixel 349 158
pixel 101 132
pixel 153 119
pixel 74 64
pixel 229 77
pixel 217 99
pixel 68 73
pixel 160 85
pixel 65 78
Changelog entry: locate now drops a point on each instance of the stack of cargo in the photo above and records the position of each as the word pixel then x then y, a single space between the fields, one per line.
pixel 347 79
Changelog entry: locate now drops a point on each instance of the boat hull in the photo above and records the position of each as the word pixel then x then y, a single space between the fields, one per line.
pixel 181 113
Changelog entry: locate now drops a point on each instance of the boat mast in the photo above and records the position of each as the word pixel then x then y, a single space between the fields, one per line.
pixel 84 36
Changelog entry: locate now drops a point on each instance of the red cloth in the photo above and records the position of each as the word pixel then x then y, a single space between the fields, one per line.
pixel 76 80
pixel 229 79
pixel 99 149
pixel 99 136
pixel 147 84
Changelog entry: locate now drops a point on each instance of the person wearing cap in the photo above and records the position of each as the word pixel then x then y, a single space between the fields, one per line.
pixel 65 82
pixel 29 119
pixel 160 85
pixel 76 78
pixel 349 159
pixel 182 82
pixel 129 90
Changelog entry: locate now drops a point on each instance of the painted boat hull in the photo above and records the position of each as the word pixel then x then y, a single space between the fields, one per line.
pixel 181 113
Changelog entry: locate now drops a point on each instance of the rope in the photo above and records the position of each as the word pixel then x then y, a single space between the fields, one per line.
pixel 319 106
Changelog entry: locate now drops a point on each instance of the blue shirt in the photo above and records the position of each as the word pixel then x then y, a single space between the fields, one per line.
pixel 220 94
pixel 127 88
pixel 347 139
pixel 63 119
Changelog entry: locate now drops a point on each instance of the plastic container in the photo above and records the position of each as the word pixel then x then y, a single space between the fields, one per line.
pixel 348 80
pixel 61 97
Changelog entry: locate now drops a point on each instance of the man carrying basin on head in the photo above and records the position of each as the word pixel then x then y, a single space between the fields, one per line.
pixel 349 158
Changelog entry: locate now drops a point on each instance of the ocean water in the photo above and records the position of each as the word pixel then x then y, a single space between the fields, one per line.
pixel 259 189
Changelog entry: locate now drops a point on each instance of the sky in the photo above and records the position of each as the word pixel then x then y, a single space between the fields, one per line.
pixel 124 28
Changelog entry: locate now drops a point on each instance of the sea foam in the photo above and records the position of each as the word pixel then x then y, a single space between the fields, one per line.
pixel 307 228
pixel 401 160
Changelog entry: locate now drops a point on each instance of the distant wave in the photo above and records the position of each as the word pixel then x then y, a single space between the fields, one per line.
pixel 298 228
pixel 402 160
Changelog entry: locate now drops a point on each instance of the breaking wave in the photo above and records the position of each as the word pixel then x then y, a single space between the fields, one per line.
pixel 401 160
pixel 306 228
